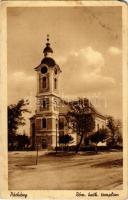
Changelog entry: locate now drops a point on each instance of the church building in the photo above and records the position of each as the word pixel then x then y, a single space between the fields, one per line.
pixel 49 120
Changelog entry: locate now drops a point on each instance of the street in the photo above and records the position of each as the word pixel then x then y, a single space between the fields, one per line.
pixel 65 172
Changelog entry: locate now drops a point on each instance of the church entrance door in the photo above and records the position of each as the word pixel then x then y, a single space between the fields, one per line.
pixel 44 143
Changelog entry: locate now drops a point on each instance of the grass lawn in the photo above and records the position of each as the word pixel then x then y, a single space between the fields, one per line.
pixel 65 172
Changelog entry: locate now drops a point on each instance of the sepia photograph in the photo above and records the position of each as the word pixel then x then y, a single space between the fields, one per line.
pixel 65 99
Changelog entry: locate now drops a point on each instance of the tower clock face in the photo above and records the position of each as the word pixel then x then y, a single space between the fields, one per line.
pixel 44 70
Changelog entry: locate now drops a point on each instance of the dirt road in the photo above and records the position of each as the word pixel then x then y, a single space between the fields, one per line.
pixel 71 172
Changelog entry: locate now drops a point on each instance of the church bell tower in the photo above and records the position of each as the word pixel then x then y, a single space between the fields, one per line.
pixel 47 111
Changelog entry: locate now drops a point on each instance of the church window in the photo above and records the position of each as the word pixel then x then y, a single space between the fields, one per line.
pixel 55 70
pixel 55 83
pixel 33 129
pixel 44 123
pixel 97 126
pixel 44 82
pixel 61 123
pixel 55 104
pixel 44 103
pixel 38 123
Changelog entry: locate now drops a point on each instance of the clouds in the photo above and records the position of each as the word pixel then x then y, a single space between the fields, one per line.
pixel 85 71
pixel 114 51
pixel 92 57
pixel 21 76
pixel 21 85
pixel 84 74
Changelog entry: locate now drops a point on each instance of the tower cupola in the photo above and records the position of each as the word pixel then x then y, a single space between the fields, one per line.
pixel 47 50
pixel 48 60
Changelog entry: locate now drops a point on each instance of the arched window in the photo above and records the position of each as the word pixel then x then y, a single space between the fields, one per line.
pixel 44 84
pixel 61 123
pixel 44 104
pixel 55 83
pixel 98 127
pixel 44 123
pixel 38 124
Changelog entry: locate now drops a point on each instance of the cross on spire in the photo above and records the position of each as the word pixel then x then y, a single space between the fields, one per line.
pixel 48 37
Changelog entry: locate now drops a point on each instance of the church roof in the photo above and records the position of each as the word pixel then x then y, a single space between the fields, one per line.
pixel 47 49
pixel 50 62
pixel 91 108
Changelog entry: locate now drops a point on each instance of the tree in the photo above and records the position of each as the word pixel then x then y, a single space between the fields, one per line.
pixel 65 139
pixel 115 128
pixel 16 119
pixel 23 141
pixel 80 119
pixel 99 136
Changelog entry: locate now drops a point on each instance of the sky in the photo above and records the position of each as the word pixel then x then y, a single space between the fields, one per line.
pixel 87 45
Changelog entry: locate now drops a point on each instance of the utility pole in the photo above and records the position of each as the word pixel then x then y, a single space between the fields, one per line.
pixel 37 151
pixel 56 135
pixel 37 155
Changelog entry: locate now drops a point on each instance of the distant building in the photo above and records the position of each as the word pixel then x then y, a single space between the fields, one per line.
pixel 49 119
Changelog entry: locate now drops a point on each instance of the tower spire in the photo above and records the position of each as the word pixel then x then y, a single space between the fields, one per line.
pixel 48 37
pixel 47 50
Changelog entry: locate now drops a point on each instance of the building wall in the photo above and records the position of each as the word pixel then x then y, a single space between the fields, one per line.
pixel 49 133
pixel 99 123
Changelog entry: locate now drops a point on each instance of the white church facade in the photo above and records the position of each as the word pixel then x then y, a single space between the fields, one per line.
pixel 49 120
